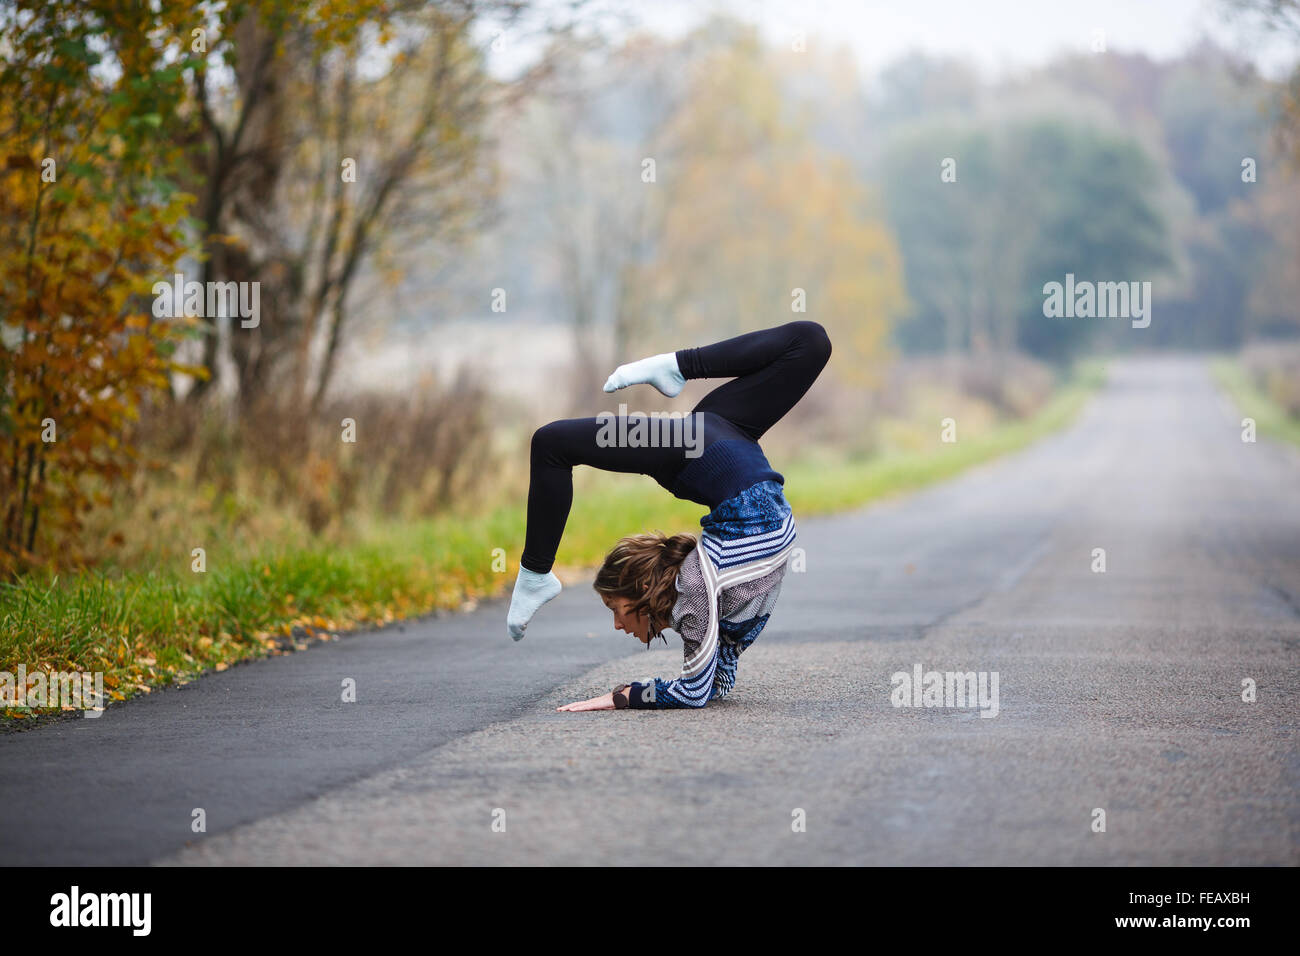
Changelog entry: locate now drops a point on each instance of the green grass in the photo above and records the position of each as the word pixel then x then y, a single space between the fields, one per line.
pixel 1271 419
pixel 147 628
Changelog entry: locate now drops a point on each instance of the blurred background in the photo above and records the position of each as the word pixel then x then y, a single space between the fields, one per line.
pixel 461 216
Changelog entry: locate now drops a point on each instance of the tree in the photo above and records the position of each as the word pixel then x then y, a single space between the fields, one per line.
pixel 1280 17
pixel 1032 200
pixel 759 225
pixel 88 213
pixel 309 167
pixel 585 138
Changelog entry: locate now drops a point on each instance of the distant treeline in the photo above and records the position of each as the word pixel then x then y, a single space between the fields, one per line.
pixel 949 200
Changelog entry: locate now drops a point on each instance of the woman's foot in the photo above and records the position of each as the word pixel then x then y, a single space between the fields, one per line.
pixel 532 590
pixel 661 371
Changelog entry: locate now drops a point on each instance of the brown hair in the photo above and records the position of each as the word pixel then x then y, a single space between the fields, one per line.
pixel 643 568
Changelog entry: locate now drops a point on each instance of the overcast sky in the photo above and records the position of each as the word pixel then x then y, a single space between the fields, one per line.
pixel 998 35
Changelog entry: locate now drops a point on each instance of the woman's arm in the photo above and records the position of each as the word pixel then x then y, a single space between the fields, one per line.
pixel 654 693
pixel 603 702
pixel 617 699
pixel 695 687
pixel 691 616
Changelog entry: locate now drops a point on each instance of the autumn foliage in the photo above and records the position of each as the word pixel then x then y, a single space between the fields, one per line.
pixel 102 117
pixel 87 215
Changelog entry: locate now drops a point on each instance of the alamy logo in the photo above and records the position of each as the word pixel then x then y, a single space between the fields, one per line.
pixel 1102 300
pixel 192 299
pixel 923 688
pixel 655 430
pixel 102 909
pixel 81 690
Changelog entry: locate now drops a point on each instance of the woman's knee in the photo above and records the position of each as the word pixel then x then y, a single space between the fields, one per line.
pixel 548 440
pixel 813 339
pixel 567 442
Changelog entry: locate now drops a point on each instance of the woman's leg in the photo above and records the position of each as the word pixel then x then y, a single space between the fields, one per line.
pixel 556 449
pixel 775 367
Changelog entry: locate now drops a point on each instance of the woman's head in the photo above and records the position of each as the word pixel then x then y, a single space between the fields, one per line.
pixel 638 581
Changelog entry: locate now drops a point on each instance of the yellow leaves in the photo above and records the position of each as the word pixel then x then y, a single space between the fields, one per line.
pixel 79 362
pixel 745 226
pixel 221 666
pixel 197 371
pixel 228 239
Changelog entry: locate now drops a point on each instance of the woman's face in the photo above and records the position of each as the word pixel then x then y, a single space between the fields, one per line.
pixel 625 620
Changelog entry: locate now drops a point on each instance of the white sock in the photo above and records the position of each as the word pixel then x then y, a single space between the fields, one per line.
pixel 532 590
pixel 661 371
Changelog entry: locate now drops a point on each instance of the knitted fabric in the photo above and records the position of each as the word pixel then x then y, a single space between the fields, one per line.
pixel 727 588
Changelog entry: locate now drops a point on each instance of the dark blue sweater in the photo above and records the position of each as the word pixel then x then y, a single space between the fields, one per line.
pixel 728 465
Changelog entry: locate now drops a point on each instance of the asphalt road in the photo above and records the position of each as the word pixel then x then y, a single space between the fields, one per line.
pixel 1118 691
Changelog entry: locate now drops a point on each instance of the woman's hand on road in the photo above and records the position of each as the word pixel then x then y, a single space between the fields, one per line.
pixel 603 702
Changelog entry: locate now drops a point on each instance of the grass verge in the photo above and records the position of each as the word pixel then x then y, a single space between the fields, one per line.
pixel 1270 418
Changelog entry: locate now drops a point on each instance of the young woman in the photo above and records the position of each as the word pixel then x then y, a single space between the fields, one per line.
pixel 717 592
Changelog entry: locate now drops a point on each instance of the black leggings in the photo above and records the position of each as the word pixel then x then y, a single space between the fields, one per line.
pixel 773 369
